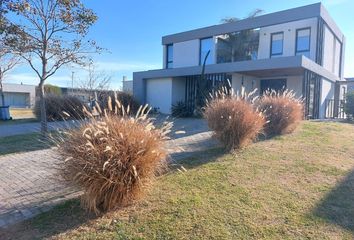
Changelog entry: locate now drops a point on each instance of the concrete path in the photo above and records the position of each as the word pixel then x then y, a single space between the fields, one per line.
pixel 29 184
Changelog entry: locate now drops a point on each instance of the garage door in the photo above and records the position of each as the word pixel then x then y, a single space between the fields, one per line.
pixel 18 100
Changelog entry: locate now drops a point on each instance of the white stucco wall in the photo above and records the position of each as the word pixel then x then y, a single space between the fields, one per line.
pixel 327 92
pixel 178 90
pixel 162 93
pixel 159 94
pixel 294 83
pixel 186 54
pixel 289 30
pixel 331 52
pixel 249 82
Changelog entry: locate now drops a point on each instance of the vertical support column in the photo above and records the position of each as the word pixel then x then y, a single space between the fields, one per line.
pixel 319 42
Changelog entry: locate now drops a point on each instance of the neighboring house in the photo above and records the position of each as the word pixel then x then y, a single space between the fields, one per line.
pixel 301 49
pixel 19 95
pixel 127 85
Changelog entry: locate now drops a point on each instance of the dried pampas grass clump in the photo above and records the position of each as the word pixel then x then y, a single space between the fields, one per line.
pixel 233 118
pixel 113 158
pixel 283 112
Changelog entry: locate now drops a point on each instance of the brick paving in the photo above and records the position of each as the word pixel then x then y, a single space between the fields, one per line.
pixel 29 184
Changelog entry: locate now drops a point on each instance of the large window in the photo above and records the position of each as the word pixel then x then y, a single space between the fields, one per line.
pixel 238 46
pixel 277 44
pixel 303 42
pixel 206 45
pixel 169 57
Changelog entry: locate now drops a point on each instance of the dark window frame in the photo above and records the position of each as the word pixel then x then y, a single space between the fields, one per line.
pixel 271 44
pixel 262 81
pixel 296 41
pixel 167 56
pixel 201 61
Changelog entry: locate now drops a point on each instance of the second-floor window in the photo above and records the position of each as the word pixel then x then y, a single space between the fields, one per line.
pixel 277 43
pixel 303 42
pixel 169 57
pixel 206 45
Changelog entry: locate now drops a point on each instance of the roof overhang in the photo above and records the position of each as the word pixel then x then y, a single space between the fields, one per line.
pixel 282 66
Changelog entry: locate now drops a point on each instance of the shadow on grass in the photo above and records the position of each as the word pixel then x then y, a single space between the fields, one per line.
pixel 338 206
pixel 61 218
pixel 196 159
pixel 23 143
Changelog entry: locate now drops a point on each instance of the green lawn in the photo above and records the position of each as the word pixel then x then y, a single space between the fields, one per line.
pixel 22 143
pixel 299 186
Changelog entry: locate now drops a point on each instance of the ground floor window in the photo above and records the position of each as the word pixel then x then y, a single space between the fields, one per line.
pixel 311 93
pixel 277 85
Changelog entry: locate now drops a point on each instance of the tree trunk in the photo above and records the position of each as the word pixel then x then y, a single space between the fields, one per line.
pixel 44 124
pixel 2 97
pixel 2 90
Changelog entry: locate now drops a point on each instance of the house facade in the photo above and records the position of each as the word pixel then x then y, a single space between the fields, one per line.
pixel 301 49
pixel 19 95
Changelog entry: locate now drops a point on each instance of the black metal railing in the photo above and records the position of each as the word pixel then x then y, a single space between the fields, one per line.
pixel 334 109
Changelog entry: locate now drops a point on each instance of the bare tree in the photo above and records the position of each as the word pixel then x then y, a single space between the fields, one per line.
pixel 96 82
pixel 7 59
pixel 7 62
pixel 49 34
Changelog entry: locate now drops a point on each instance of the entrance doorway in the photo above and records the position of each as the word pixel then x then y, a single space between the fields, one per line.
pixel 277 85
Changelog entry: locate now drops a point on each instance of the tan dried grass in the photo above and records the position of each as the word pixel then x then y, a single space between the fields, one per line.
pixel 114 158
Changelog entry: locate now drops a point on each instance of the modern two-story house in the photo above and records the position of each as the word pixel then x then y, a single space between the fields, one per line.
pixel 301 49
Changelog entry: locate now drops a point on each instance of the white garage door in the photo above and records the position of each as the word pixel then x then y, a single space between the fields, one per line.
pixel 159 94
pixel 18 100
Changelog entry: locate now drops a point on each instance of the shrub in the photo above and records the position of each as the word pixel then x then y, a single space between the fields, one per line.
pixel 234 120
pixel 349 105
pixel 125 99
pixel 282 111
pixel 180 110
pixel 57 105
pixel 113 158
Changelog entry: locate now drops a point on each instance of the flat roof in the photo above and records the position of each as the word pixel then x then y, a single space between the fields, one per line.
pixel 290 15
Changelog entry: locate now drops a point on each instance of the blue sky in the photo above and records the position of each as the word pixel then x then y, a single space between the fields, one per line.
pixel 132 30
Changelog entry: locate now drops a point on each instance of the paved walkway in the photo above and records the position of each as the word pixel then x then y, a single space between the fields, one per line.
pixel 29 184
pixel 7 130
pixel 187 125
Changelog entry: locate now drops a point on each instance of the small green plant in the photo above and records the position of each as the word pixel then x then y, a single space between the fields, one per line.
pixel 180 110
pixel 349 105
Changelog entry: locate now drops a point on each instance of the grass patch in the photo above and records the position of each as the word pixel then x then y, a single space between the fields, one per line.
pixel 298 186
pixel 22 143
pixel 22 113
